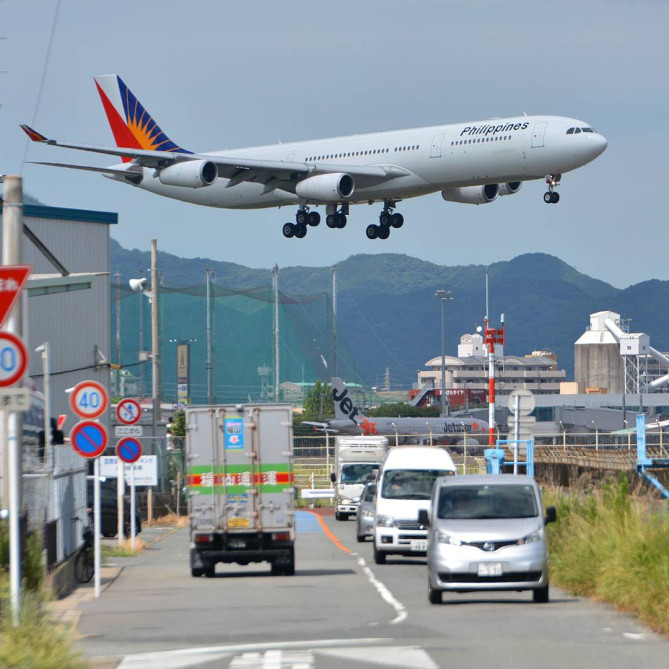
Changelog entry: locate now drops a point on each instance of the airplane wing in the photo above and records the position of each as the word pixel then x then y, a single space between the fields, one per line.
pixel 324 427
pixel 280 173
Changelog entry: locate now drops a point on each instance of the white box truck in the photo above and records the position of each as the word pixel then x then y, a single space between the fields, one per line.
pixel 356 458
pixel 240 486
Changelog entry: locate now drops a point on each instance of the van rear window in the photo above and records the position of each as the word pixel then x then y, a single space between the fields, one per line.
pixel 410 483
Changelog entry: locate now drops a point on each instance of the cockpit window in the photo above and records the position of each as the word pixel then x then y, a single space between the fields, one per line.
pixel 570 131
pixel 587 130
pixel 576 131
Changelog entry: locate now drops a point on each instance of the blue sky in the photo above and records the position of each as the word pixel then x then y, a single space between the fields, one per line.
pixel 217 74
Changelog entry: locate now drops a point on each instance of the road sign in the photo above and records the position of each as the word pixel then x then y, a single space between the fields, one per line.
pixel 128 411
pixel 129 449
pixel 88 438
pixel 146 469
pixel 128 430
pixel 525 401
pixel 14 399
pixel 89 399
pixel 12 278
pixel 13 359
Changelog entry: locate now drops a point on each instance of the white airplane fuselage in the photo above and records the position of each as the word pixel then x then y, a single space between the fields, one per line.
pixel 435 158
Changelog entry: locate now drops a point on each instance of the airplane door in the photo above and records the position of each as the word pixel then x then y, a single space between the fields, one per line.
pixel 538 135
pixel 291 156
pixel 435 149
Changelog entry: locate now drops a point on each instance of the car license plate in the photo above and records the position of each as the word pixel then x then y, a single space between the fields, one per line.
pixel 236 543
pixel 419 545
pixel 490 569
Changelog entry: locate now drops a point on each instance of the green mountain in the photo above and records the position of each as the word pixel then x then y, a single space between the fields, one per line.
pixel 388 315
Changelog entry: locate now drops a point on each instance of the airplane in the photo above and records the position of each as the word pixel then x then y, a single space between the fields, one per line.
pixel 473 162
pixel 350 420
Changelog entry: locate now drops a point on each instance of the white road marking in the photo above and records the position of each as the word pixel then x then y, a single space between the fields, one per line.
pixel 404 657
pixel 385 593
pixel 188 657
pixel 635 637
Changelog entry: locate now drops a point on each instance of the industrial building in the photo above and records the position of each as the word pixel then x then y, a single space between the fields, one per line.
pixel 67 305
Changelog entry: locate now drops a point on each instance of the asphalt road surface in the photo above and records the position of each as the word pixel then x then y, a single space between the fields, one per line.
pixel 341 610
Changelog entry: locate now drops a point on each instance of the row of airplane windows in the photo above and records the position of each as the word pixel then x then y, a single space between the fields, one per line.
pixel 370 152
pixel 480 139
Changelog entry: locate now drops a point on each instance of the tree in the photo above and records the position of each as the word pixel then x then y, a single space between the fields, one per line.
pixel 318 404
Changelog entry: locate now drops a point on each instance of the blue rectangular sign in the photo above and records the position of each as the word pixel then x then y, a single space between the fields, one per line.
pixel 234 434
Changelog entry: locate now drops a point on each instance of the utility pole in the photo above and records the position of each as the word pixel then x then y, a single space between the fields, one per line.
pixel 155 339
pixel 208 363
pixel 12 231
pixel 275 283
pixel 334 321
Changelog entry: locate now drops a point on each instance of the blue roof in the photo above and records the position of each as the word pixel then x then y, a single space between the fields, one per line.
pixel 42 211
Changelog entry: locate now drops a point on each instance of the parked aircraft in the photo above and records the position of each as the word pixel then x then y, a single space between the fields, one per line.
pixel 350 420
pixel 472 162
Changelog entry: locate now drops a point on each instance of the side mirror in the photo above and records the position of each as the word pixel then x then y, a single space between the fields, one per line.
pixel 424 518
pixel 333 478
pixel 551 515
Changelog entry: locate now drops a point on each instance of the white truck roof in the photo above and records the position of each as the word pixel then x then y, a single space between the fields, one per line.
pixel 418 457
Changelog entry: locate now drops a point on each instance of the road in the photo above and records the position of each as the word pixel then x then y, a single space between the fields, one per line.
pixel 341 610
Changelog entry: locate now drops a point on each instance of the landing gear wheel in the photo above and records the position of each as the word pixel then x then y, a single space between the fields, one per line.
pixel 372 231
pixel 556 198
pixel 379 557
pixel 341 220
pixel 331 220
pixel 301 217
pixel 540 595
pixel 397 220
pixel 548 197
pixel 385 219
pixel 288 230
pixel 314 218
pixel 384 232
pixel 433 595
pixel 300 231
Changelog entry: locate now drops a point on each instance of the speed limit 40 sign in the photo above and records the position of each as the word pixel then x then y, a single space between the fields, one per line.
pixel 89 399
pixel 13 359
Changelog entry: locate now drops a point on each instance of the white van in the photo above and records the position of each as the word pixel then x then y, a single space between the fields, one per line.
pixel 404 488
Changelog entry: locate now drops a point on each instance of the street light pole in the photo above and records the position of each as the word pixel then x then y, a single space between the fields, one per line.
pixel 443 295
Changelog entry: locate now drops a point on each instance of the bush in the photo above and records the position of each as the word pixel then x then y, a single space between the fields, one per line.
pixel 612 548
pixel 33 565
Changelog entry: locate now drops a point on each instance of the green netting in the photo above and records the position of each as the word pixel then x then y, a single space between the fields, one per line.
pixel 242 336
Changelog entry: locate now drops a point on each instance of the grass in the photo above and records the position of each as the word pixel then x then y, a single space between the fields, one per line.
pixel 36 641
pixel 125 549
pixel 613 548
pixel 169 520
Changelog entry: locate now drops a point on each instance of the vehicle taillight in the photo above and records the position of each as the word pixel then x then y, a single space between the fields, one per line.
pixel 204 538
pixel 281 536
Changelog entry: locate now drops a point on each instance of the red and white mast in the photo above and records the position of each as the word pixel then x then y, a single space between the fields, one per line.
pixel 492 336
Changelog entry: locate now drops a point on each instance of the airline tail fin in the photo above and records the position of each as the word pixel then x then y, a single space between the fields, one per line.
pixel 344 406
pixel 132 126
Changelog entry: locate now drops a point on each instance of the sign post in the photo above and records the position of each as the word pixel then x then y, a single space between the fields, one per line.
pixel 89 400
pixel 129 450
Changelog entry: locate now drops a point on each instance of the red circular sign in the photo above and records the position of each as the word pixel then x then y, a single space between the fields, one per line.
pixel 129 449
pixel 13 359
pixel 89 399
pixel 88 438
pixel 128 411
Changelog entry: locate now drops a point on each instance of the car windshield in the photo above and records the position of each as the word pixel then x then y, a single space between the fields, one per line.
pixel 410 483
pixel 487 501
pixel 357 473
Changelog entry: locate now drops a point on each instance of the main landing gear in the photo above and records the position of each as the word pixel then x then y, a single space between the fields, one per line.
pixel 387 220
pixel 336 218
pixel 303 218
pixel 551 196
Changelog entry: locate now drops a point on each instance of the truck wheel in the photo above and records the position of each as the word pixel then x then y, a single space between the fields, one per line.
pixel 379 557
pixel 343 516
pixel 540 595
pixel 276 569
pixel 289 569
pixel 433 595
pixel 360 538
pixel 196 572
pixel 209 569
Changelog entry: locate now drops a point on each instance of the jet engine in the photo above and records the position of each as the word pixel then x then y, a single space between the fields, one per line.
pixel 189 174
pixel 471 194
pixel 510 188
pixel 326 187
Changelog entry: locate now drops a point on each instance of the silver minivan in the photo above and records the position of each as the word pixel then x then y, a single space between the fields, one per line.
pixel 487 533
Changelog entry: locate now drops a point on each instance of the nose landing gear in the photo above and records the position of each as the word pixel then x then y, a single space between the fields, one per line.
pixel 551 196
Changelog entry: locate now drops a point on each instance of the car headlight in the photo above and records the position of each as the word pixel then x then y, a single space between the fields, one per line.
pixel 385 521
pixel 444 538
pixel 343 500
pixel 367 514
pixel 355 500
pixel 537 535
